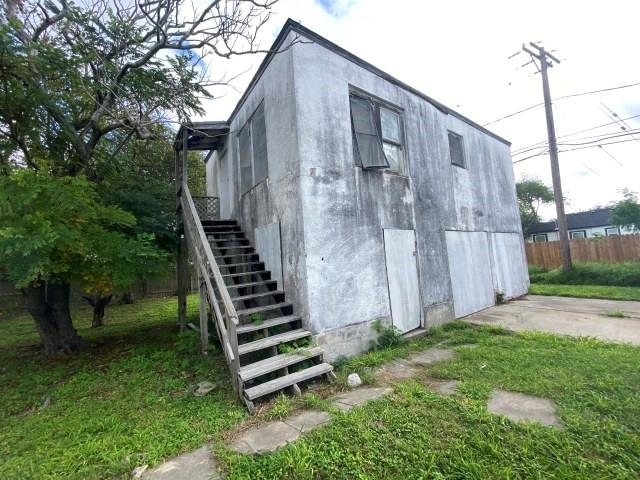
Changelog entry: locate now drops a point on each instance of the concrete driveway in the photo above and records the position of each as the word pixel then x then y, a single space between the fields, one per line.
pixel 566 316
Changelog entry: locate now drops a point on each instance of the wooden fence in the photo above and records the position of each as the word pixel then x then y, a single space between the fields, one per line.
pixel 615 249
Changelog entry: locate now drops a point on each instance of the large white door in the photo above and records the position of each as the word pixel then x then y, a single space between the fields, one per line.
pixel 509 264
pixel 402 274
pixel 470 270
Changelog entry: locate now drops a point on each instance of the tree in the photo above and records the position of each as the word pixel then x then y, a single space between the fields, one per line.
pixel 78 82
pixel 54 231
pixel 532 194
pixel 626 212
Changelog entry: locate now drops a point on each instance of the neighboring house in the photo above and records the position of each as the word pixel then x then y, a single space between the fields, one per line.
pixel 592 223
pixel 365 198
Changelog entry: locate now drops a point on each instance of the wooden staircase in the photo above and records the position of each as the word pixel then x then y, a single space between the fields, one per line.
pixel 270 348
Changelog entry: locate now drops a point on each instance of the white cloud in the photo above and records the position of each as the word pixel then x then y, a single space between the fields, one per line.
pixel 456 52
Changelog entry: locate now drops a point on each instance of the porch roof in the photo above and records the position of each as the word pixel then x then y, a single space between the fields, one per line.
pixel 202 135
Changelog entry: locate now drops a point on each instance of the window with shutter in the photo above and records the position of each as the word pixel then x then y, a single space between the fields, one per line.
pixel 252 150
pixel 456 150
pixel 259 138
pixel 368 148
pixel 244 148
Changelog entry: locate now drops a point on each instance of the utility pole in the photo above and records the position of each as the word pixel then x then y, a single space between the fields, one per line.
pixel 547 60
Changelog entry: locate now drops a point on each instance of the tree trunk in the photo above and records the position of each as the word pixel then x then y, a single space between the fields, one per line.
pixel 37 306
pixel 58 301
pixel 99 303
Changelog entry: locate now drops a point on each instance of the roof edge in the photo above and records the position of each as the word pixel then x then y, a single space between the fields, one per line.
pixel 292 25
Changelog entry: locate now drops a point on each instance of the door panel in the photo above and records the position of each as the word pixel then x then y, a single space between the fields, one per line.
pixel 402 275
pixel 509 264
pixel 470 271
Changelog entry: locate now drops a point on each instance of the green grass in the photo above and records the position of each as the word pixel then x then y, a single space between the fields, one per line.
pixel 613 274
pixel 126 401
pixel 415 433
pixel 587 291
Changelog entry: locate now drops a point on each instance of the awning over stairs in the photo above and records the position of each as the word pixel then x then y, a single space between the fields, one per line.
pixel 202 135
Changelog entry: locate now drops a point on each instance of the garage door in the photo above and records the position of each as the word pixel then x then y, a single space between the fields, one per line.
pixel 470 270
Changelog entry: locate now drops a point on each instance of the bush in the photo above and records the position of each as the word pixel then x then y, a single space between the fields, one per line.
pixel 388 335
pixel 613 274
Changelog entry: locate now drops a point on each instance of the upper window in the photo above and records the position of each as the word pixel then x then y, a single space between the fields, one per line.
pixel 540 237
pixel 377 134
pixel 578 234
pixel 612 231
pixel 456 150
pixel 252 147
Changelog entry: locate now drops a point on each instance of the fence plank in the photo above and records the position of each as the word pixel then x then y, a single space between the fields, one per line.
pixel 615 249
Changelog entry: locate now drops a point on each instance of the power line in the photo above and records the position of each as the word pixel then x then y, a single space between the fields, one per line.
pixel 562 98
pixel 544 142
pixel 572 149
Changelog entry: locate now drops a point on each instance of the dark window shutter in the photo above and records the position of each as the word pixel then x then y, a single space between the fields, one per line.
pixel 368 146
pixel 259 138
pixel 456 150
pixel 244 146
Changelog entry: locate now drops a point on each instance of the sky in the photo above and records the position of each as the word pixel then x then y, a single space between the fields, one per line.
pixel 458 53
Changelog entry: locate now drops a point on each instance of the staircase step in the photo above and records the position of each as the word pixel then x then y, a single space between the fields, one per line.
pixel 278 362
pixel 273 341
pixel 255 296
pixel 262 309
pixel 237 247
pixel 286 381
pixel 272 322
pixel 251 284
pixel 221 257
pixel 209 229
pixel 242 274
pixel 245 264
pixel 219 223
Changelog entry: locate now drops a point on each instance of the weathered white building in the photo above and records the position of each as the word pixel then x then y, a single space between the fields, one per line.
pixel 365 198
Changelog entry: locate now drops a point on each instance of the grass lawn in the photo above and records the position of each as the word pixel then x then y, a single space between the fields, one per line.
pixel 125 402
pixel 587 291
pixel 128 401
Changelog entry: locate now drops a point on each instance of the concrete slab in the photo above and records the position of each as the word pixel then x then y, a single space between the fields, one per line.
pixel 346 401
pixel 445 387
pixel 565 316
pixel 521 407
pixel 308 420
pixel 266 438
pixel 431 356
pixel 197 465
pixel 396 370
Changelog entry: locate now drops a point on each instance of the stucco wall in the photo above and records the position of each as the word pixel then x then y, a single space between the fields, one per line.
pixel 345 208
pixel 277 198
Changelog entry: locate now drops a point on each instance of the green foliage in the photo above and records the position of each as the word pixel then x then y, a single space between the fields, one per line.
pixel 296 345
pixel 280 408
pixel 626 213
pixel 614 274
pixel 56 229
pixel 531 195
pixel 388 335
pixel 127 402
pixel 615 314
pixel 586 291
pixel 256 319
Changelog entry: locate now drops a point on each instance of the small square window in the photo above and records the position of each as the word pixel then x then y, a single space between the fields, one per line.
pixel 390 125
pixel 456 150
pixel 540 237
pixel 578 234
pixel 612 231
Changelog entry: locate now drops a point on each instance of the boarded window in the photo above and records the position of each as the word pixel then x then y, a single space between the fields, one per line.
pixel 456 150
pixel 244 147
pixel 259 137
pixel 368 147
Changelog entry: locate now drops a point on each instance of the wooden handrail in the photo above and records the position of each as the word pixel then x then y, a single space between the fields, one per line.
pixel 226 319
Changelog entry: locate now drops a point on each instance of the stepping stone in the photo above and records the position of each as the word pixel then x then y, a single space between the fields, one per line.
pixel 518 407
pixel 308 420
pixel 266 438
pixel 445 387
pixel 432 355
pixel 197 465
pixel 346 401
pixel 396 370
